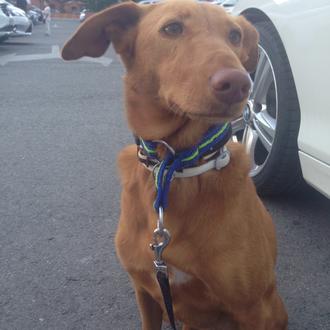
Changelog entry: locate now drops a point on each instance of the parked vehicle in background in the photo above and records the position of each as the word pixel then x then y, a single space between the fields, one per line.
pixel 217 2
pixel 285 125
pixel 148 2
pixel 22 24
pixel 6 22
pixel 229 5
pixel 35 15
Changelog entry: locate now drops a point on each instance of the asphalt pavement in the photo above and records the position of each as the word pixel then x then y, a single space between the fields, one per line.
pixel 61 127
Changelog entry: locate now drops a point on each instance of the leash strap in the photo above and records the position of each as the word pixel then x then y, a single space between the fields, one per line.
pixel 161 239
pixel 175 162
pixel 164 284
pixel 216 137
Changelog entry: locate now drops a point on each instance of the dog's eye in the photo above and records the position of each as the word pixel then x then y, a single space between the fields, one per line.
pixel 173 29
pixel 235 37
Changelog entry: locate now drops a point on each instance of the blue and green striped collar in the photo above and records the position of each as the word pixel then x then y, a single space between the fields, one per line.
pixel 214 139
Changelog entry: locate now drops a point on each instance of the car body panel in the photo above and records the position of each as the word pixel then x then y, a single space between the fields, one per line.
pixel 316 173
pixel 304 27
pixel 148 2
pixel 22 24
pixel 6 23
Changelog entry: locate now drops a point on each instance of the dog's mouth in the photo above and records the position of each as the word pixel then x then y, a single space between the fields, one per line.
pixel 227 113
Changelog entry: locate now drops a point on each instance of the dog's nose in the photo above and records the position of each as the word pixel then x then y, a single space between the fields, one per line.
pixel 230 85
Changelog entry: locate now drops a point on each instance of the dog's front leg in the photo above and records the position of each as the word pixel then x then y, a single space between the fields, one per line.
pixel 150 311
pixel 269 314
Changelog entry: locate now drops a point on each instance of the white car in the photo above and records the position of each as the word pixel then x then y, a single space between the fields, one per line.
pixel 217 2
pixel 148 2
pixel 285 125
pixel 6 22
pixel 229 5
pixel 22 24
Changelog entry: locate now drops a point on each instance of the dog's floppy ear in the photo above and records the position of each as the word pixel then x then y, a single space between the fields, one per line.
pixel 250 54
pixel 93 37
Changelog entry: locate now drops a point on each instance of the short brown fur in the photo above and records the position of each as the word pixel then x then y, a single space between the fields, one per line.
pixel 222 235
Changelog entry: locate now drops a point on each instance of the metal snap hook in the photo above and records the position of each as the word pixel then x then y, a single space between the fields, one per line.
pixel 160 221
pixel 161 239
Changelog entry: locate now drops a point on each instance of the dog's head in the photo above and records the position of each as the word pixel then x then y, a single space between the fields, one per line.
pixel 185 61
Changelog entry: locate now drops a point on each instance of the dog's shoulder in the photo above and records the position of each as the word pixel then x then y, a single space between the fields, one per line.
pixel 127 162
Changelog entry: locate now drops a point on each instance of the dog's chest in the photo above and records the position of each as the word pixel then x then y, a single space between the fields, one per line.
pixel 178 277
pixel 188 292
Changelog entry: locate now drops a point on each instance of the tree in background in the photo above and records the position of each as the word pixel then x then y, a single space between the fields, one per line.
pixel 97 5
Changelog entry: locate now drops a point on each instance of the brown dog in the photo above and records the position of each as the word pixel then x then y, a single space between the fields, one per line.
pixel 186 68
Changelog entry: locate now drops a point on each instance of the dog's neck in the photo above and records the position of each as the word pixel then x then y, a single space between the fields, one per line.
pixel 151 120
pixel 188 134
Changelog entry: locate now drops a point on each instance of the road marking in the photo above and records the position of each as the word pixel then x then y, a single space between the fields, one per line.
pixel 6 58
pixel 55 54
pixel 105 61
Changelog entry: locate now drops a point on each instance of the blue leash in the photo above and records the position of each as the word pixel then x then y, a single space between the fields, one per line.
pixel 214 138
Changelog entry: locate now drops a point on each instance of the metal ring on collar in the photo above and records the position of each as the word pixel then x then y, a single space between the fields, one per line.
pixel 168 147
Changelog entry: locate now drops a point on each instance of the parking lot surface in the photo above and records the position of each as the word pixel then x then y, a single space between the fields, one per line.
pixel 61 127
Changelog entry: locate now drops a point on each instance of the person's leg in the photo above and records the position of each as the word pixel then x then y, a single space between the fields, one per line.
pixel 48 27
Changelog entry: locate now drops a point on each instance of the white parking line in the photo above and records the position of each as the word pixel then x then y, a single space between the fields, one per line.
pixel 55 54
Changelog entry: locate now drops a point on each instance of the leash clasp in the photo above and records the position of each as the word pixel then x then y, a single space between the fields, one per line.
pixel 161 238
pixel 160 241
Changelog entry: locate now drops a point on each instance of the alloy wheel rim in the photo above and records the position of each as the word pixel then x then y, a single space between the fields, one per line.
pixel 256 129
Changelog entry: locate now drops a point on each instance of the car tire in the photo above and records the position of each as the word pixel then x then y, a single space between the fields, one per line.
pixel 271 119
pixel 3 38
